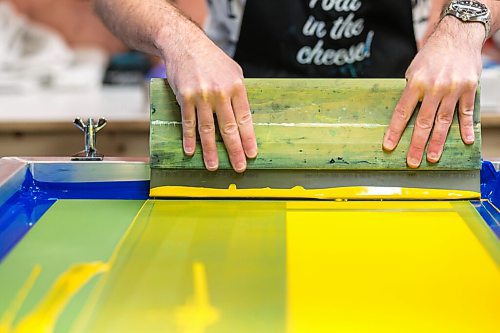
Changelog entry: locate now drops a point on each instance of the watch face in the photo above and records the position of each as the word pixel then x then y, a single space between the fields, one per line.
pixel 469 9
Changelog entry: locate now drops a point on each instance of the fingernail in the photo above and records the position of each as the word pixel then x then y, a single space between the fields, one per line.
pixel 240 167
pixel 252 153
pixel 388 144
pixel 413 163
pixel 211 165
pixel 189 150
pixel 433 156
pixel 470 138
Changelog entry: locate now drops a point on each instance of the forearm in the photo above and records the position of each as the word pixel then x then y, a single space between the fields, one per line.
pixel 494 6
pixel 153 26
pixel 456 28
pixel 436 9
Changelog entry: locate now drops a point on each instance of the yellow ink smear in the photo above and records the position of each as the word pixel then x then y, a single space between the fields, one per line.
pixel 197 314
pixel 298 192
pixel 44 317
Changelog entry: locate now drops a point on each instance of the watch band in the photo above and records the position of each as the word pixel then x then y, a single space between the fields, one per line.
pixel 470 11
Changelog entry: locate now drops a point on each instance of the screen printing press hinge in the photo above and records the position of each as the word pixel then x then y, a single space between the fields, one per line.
pixel 90 130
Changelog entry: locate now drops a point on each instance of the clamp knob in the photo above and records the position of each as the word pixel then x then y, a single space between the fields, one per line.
pixel 90 130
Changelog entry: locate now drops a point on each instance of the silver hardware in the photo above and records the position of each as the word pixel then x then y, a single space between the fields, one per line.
pixel 470 11
pixel 90 129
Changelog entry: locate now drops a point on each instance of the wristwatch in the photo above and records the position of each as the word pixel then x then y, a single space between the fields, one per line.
pixel 470 11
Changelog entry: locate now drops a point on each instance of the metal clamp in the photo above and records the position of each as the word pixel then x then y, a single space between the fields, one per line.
pixel 90 129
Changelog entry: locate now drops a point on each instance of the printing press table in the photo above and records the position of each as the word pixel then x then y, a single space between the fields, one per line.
pixel 86 260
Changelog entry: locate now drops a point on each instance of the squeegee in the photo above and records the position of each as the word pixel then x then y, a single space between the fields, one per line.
pixel 317 139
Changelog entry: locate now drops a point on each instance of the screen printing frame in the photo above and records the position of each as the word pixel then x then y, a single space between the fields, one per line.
pixel 40 182
pixel 30 186
pixel 62 170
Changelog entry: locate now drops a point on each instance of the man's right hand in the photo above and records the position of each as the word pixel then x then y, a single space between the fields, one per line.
pixel 206 81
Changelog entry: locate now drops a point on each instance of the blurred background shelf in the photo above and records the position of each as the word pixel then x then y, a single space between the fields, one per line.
pixel 40 124
pixel 491 133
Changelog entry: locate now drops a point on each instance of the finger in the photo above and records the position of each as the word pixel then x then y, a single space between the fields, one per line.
pixel 400 117
pixel 230 134
pixel 422 130
pixel 206 129
pixel 466 116
pixel 188 128
pixel 244 120
pixel 442 124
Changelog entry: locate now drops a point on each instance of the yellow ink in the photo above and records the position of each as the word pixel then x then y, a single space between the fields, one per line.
pixel 370 205
pixel 197 314
pixel 377 266
pixel 351 269
pixel 44 317
pixel 12 311
pixel 151 288
pixel 83 319
pixel 298 192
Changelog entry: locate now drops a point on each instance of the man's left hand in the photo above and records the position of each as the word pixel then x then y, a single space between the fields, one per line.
pixel 444 73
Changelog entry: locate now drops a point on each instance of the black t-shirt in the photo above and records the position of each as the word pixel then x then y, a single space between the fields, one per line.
pixel 326 38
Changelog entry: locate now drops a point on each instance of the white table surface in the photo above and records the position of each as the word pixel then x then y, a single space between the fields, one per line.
pixel 119 105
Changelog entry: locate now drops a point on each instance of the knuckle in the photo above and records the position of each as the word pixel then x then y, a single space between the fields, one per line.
pixel 238 68
pixel 186 95
pixel 408 73
pixel 236 153
pixel 238 84
pixel 417 82
pixel 391 135
pixel 424 123
pixel 246 119
pixel 235 150
pixel 437 139
pixel 419 146
pixel 467 123
pixel 189 133
pixel 206 128
pixel 188 128
pixel 210 150
pixel 439 87
pixel 216 92
pixel 189 123
pixel 439 135
pixel 229 129
pixel 250 141
pixel 467 111
pixel 471 84
pixel 453 86
pixel 401 112
pixel 445 118
pixel 204 93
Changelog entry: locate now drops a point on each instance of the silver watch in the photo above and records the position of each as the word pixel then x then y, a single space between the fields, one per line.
pixel 470 11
